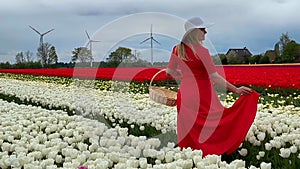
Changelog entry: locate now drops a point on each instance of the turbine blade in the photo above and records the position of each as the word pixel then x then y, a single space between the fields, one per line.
pixel 34 30
pixel 155 41
pixel 95 41
pixel 88 44
pixel 151 34
pixel 144 40
pixel 48 31
pixel 87 35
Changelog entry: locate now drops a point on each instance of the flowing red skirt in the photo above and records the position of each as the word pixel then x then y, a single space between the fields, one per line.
pixel 204 123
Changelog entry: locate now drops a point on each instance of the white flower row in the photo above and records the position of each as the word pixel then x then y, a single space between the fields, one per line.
pixel 281 124
pixel 132 108
pixel 35 138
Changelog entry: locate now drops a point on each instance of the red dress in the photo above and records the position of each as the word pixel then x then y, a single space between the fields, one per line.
pixel 202 121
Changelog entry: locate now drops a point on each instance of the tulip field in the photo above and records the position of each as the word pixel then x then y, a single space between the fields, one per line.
pixel 87 118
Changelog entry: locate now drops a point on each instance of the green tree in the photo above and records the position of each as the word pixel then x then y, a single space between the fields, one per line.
pixel 82 54
pixel 283 41
pixel 220 59
pixel 289 52
pixel 119 54
pixel 122 54
pixel 264 59
pixel 233 60
pixel 254 59
pixel 53 58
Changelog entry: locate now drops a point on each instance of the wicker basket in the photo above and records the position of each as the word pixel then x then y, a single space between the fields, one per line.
pixel 162 95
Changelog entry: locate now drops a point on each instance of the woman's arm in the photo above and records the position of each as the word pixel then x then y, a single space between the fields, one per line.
pixel 219 80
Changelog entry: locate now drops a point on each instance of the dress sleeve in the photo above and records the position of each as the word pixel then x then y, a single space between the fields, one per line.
pixel 207 61
pixel 173 60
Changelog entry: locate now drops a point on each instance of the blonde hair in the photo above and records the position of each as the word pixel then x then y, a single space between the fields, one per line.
pixel 190 37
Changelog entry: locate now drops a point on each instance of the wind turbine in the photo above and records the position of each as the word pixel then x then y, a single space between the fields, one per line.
pixel 41 40
pixel 41 34
pixel 90 43
pixel 151 42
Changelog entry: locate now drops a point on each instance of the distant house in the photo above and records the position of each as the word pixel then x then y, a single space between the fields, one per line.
pixel 297 58
pixel 244 52
pixel 238 55
pixel 271 54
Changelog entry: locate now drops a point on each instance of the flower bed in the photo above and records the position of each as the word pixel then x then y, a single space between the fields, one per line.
pixel 68 105
pixel 273 138
pixel 32 137
pixel 275 76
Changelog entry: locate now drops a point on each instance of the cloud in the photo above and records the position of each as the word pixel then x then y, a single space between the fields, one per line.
pixel 256 24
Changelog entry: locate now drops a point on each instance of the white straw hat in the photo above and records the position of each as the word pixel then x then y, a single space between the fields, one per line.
pixel 196 22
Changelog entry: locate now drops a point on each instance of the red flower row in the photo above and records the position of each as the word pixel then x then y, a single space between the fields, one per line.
pixel 260 76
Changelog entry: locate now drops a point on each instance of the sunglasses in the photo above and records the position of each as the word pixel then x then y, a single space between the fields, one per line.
pixel 203 30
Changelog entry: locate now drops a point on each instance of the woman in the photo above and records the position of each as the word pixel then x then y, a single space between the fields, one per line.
pixel 202 121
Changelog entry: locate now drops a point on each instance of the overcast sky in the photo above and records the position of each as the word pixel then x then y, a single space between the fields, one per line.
pixel 255 24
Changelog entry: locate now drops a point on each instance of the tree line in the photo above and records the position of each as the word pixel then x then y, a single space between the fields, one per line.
pixel 285 50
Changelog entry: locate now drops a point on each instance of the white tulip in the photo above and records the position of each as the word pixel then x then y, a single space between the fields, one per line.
pixel 143 163
pixel 6 147
pixel 261 136
pixel 212 159
pixel 53 136
pixel 142 128
pixel 120 166
pixel 171 145
pixel 243 152
pixel 237 164
pixel 293 149
pixel 275 144
pixel 10 138
pixel 93 147
pixel 81 158
pixel 52 154
pixel 285 153
pixel 169 156
pixel 102 163
pixel 82 147
pixel 268 146
pixel 51 167
pixel 46 162
pixel 273 134
pixel 29 166
pixel 132 163
pixel 264 165
pixel 177 156
pixel 261 153
pixel 252 139
pixel 197 159
pixel 58 159
pixel 252 167
pixel 45 151
pixel 73 153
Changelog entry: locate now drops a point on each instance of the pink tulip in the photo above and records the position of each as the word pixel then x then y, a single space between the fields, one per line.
pixel 82 167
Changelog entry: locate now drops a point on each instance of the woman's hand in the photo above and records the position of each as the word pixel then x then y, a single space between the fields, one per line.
pixel 243 90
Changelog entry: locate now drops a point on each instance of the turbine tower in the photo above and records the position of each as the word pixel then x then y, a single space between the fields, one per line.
pixel 90 43
pixel 41 34
pixel 151 42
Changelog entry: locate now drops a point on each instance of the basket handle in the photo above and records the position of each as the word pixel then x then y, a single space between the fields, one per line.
pixel 156 75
